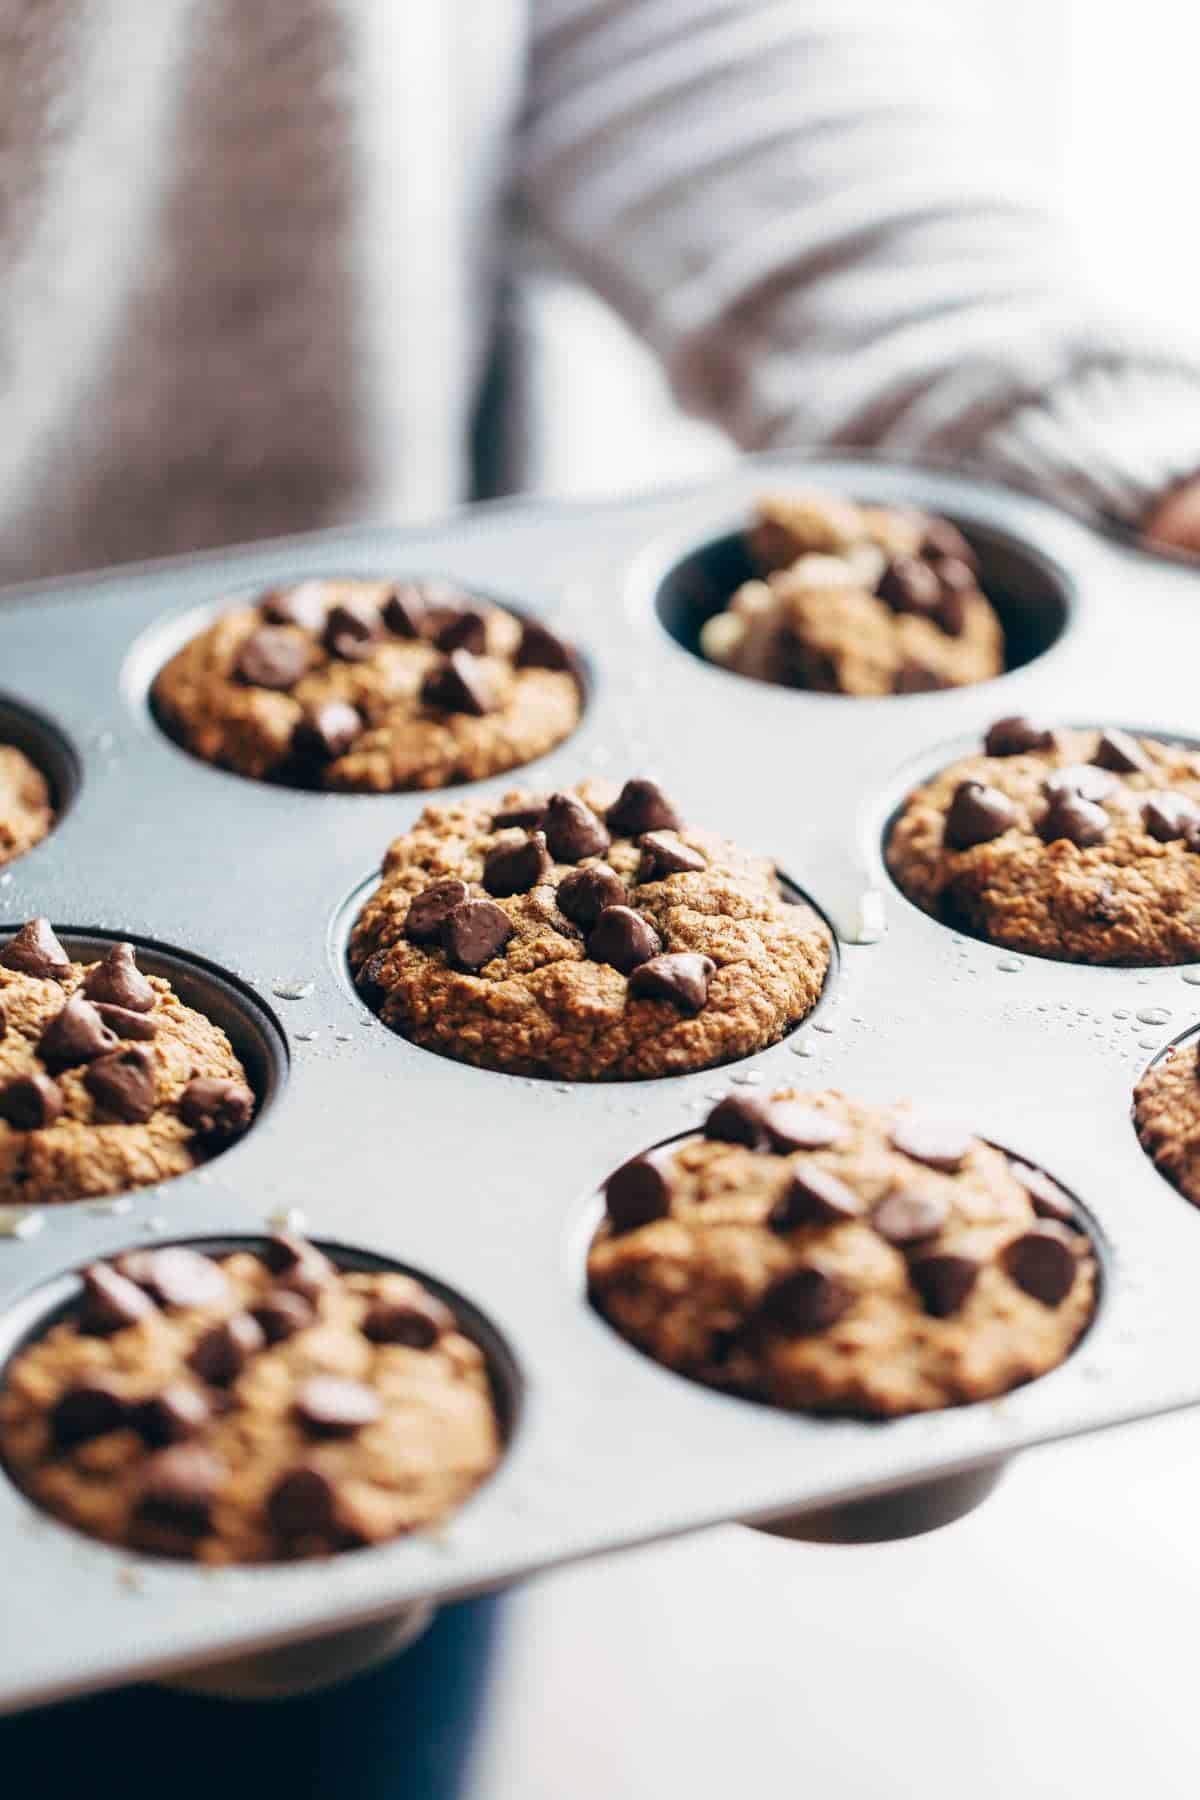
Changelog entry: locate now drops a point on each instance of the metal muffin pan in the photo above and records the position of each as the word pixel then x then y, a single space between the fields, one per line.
pixel 488 1183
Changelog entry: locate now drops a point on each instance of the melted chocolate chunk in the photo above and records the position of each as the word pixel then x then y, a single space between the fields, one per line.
pixel 641 806
pixel 583 894
pixel 623 938
pixel 977 814
pixel 515 868
pixel 36 951
pixel 272 657
pixel 682 977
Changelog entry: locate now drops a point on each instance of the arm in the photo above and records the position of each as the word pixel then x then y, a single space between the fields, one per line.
pixel 804 208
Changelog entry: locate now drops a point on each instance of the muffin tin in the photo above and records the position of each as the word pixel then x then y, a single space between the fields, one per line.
pixel 487 1184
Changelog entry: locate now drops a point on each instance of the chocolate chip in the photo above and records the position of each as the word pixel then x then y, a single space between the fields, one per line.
pixel 664 854
pixel 429 910
pixel 302 605
pixel 1081 779
pixel 944 1281
pixel 908 585
pixel 404 611
pixel 951 613
pixel 681 976
pixel 76 1034
pixel 791 1126
pixel 298 1265
pixel 528 814
pixel 216 1107
pixel 1167 816
pixel 928 1141
pixel 572 830
pixel 139 1027
pixel 913 677
pixel 117 981
pixel 540 649
pixel 1047 1198
pixel 417 1321
pixel 87 1409
pixel 302 1503
pixel 36 951
pixel 1082 822
pixel 1117 751
pixel 1017 736
pixel 1042 1263
pixel 636 1194
pixel 351 630
pixel 177 1276
pixel 221 1353
pixel 282 1314
pixel 459 685
pixel 463 631
pixel 272 657
pixel 515 868
pixel 909 1215
pixel 172 1416
pixel 332 1406
pixel 977 814
pixel 110 1302
pixel 583 894
pixel 30 1102
pixel 738 1120
pixel 942 539
pixel 814 1197
pixel 807 1300
pixel 474 933
pixel 623 938
pixel 641 806
pixel 327 732
pixel 123 1083
pixel 179 1487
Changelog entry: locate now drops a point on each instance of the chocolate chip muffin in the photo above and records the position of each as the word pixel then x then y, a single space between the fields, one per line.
pixel 1080 845
pixel 859 600
pixel 1166 1111
pixel 589 935
pixel 370 687
pixel 107 1080
pixel 26 810
pixel 250 1408
pixel 831 1257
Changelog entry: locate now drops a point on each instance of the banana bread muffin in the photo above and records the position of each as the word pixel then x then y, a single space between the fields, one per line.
pixel 1078 845
pixel 588 935
pixel 256 1407
pixel 827 1256
pixel 370 687
pixel 107 1080
pixel 858 600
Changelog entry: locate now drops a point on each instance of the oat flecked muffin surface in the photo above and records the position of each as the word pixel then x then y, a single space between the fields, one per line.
pixel 1079 845
pixel 590 935
pixel 857 600
pixel 26 812
pixel 827 1256
pixel 370 687
pixel 249 1408
pixel 1166 1111
pixel 107 1080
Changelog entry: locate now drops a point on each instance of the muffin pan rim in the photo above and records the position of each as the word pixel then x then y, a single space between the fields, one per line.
pixel 437 1192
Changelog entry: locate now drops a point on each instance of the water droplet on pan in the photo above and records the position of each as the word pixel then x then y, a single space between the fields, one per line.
pixel 802 1047
pixel 1192 977
pixel 1120 1012
pixel 1147 1043
pixel 747 1077
pixel 307 1037
pixel 20 1221
pixel 287 1218
pixel 823 1026
pixel 1010 965
pixel 111 1209
pixel 292 990
pixel 1153 1015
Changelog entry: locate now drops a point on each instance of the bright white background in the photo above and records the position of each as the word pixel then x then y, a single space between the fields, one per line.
pixel 1046 1645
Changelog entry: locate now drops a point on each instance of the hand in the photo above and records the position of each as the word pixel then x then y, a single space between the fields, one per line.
pixel 1174 521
